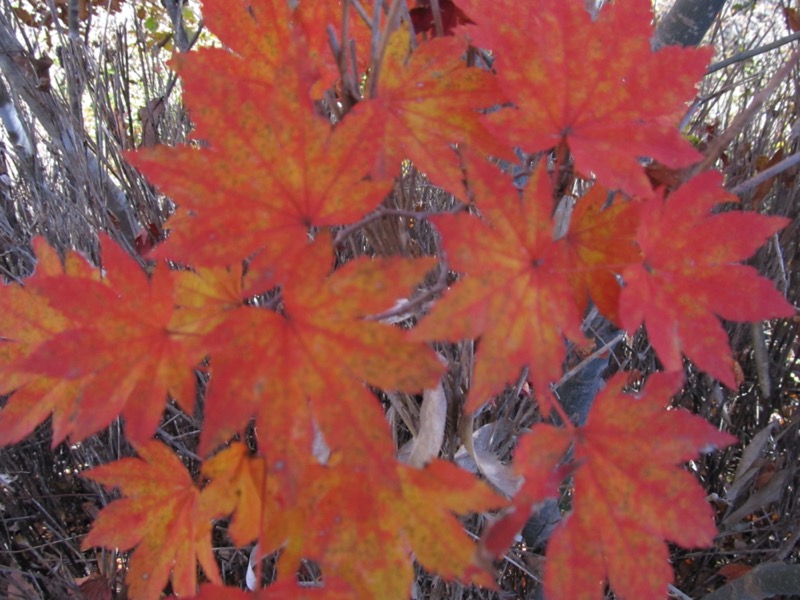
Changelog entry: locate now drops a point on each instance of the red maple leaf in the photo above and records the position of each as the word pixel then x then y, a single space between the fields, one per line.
pixel 160 516
pixel 630 495
pixel 319 347
pixel 29 319
pixel 515 294
pixel 337 515
pixel 595 83
pixel 263 202
pixel 690 276
pixel 272 169
pixel 113 347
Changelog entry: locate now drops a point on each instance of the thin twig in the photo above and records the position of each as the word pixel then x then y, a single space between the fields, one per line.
pixel 379 48
pixel 761 356
pixel 179 447
pixel 513 561
pixel 786 163
pixel 383 211
pixel 576 369
pixel 781 263
pixel 437 18
pixel 751 53
pixel 362 13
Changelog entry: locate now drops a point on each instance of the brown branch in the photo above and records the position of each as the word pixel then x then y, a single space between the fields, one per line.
pixel 786 163
pixel 751 53
pixel 383 211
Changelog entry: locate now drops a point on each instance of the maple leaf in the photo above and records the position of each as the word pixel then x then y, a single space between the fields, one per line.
pixel 271 500
pixel 265 498
pixel 28 319
pixel 599 244
pixel 515 294
pixel 426 103
pixel 242 205
pixel 259 31
pixel 267 176
pixel 590 82
pixel 431 495
pixel 112 345
pixel 215 592
pixel 629 494
pixel 338 514
pixel 689 276
pixel 205 296
pixel 319 349
pixel 354 511
pixel 160 516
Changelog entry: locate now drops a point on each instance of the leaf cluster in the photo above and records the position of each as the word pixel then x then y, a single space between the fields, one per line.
pixel 306 120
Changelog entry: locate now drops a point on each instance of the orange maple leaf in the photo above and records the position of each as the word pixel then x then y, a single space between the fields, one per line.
pixel 273 169
pixel 204 295
pixel 259 31
pixel 689 276
pixel 112 345
pixel 595 83
pixel 430 496
pixel 629 494
pixel 338 514
pixel 267 199
pixel 160 516
pixel 29 319
pixel 352 511
pixel 320 349
pixel 267 498
pixel 515 293
pixel 426 103
pixel 242 485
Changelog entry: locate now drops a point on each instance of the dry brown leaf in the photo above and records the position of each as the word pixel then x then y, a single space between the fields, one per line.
pixel 748 464
pixel 733 571
pixel 479 455
pixel 772 492
pixel 428 441
pixel 150 115
pixel 95 587
pixel 792 19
